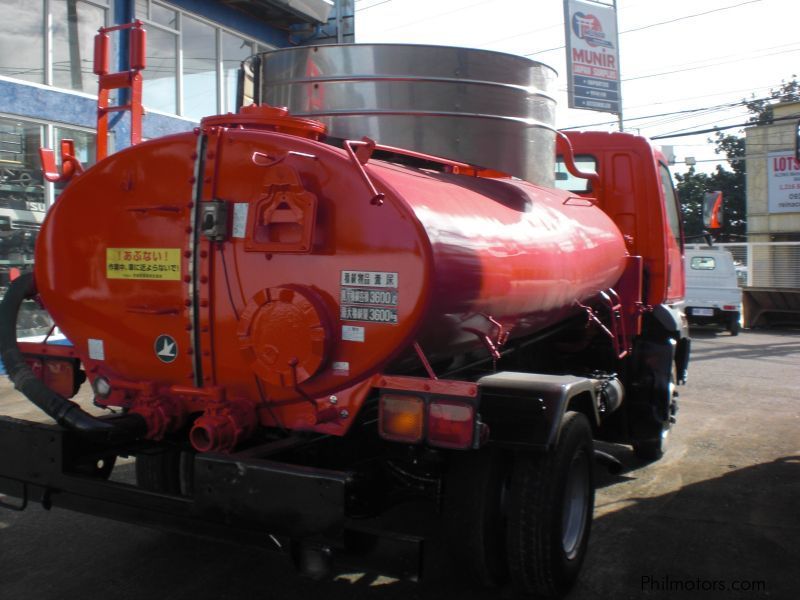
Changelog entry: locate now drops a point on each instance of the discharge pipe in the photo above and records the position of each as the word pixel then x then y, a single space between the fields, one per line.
pixel 66 413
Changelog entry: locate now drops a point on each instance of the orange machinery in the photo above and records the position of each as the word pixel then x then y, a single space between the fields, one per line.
pixel 247 272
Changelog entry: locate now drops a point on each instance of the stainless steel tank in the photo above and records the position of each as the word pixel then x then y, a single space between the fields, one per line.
pixel 488 109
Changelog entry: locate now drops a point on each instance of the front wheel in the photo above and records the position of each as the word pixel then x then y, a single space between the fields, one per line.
pixel 551 498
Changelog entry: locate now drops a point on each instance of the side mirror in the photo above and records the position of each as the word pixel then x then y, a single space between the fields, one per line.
pixel 713 217
pixel 797 140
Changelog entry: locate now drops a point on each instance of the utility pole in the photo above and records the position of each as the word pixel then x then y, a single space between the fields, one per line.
pixel 73 40
pixel 619 68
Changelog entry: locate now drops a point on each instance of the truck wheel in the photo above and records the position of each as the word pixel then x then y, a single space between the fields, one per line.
pixel 551 498
pixel 653 448
pixel 168 472
pixel 474 495
pixel 733 325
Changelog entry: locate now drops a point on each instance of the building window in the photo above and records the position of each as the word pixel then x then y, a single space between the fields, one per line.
pixel 199 69
pixel 85 148
pixel 160 76
pixel 22 26
pixel 191 63
pixel 24 198
pixel 22 188
pixel 234 50
pixel 66 34
pixel 74 26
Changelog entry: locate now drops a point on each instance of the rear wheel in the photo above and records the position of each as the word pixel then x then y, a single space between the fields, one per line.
pixel 166 472
pixel 475 495
pixel 733 325
pixel 551 498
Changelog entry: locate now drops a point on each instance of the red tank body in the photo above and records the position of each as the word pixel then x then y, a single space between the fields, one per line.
pixel 313 288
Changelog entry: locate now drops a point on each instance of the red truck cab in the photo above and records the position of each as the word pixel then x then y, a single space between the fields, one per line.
pixel 635 189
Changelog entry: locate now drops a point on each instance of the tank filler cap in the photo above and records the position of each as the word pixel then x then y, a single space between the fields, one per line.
pixel 270 118
pixel 284 334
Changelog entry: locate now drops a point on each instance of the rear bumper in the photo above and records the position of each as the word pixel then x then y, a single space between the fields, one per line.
pixel 698 315
pixel 247 500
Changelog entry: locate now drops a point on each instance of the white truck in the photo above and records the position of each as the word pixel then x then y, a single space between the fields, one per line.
pixel 713 295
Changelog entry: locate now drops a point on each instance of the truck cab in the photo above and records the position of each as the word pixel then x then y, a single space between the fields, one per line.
pixel 634 188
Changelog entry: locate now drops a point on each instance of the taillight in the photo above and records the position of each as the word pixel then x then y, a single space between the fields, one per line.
pixel 402 418
pixel 61 375
pixel 450 424
pixel 729 307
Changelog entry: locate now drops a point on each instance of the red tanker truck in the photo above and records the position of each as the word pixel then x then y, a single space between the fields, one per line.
pixel 305 320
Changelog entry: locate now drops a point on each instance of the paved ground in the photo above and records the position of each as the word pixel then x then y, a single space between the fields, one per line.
pixel 719 514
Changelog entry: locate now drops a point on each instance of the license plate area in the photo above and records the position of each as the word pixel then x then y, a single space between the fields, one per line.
pixel 703 312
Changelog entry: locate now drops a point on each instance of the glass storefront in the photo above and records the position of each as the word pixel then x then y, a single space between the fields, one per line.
pixel 22 26
pixel 191 63
pixel 160 76
pixel 24 197
pixel 74 27
pixel 199 69
pixel 22 209
pixel 28 35
pixel 85 148
pixel 234 51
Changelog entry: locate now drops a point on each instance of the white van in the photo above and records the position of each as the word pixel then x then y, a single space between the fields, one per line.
pixel 713 295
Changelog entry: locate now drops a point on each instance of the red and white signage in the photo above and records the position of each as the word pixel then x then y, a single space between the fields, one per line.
pixel 592 55
pixel 783 180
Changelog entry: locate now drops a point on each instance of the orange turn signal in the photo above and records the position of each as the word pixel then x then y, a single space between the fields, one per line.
pixel 402 418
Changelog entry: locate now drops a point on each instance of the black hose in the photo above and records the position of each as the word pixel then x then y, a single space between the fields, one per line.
pixel 66 413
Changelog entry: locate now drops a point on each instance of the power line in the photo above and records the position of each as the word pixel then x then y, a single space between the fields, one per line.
pixel 676 112
pixel 766 86
pixel 651 25
pixel 725 62
pixel 713 129
pixel 511 37
pixel 371 6
pixel 708 12
pixel 441 14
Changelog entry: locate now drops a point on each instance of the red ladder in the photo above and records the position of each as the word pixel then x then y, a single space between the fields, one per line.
pixel 130 79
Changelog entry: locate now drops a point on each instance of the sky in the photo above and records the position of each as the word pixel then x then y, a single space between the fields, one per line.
pixel 675 55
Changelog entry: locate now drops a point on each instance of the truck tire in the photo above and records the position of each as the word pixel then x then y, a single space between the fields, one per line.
pixel 733 325
pixel 167 472
pixel 551 498
pixel 475 487
pixel 653 448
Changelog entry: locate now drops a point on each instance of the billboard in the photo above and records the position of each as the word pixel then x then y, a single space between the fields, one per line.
pixel 783 182
pixel 592 56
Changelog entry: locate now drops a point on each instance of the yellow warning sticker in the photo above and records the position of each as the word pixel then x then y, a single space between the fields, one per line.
pixel 143 263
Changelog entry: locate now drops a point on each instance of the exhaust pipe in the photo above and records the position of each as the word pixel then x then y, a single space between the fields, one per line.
pixel 66 413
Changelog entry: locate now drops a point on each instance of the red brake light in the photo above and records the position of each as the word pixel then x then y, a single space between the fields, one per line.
pixel 450 424
pixel 729 307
